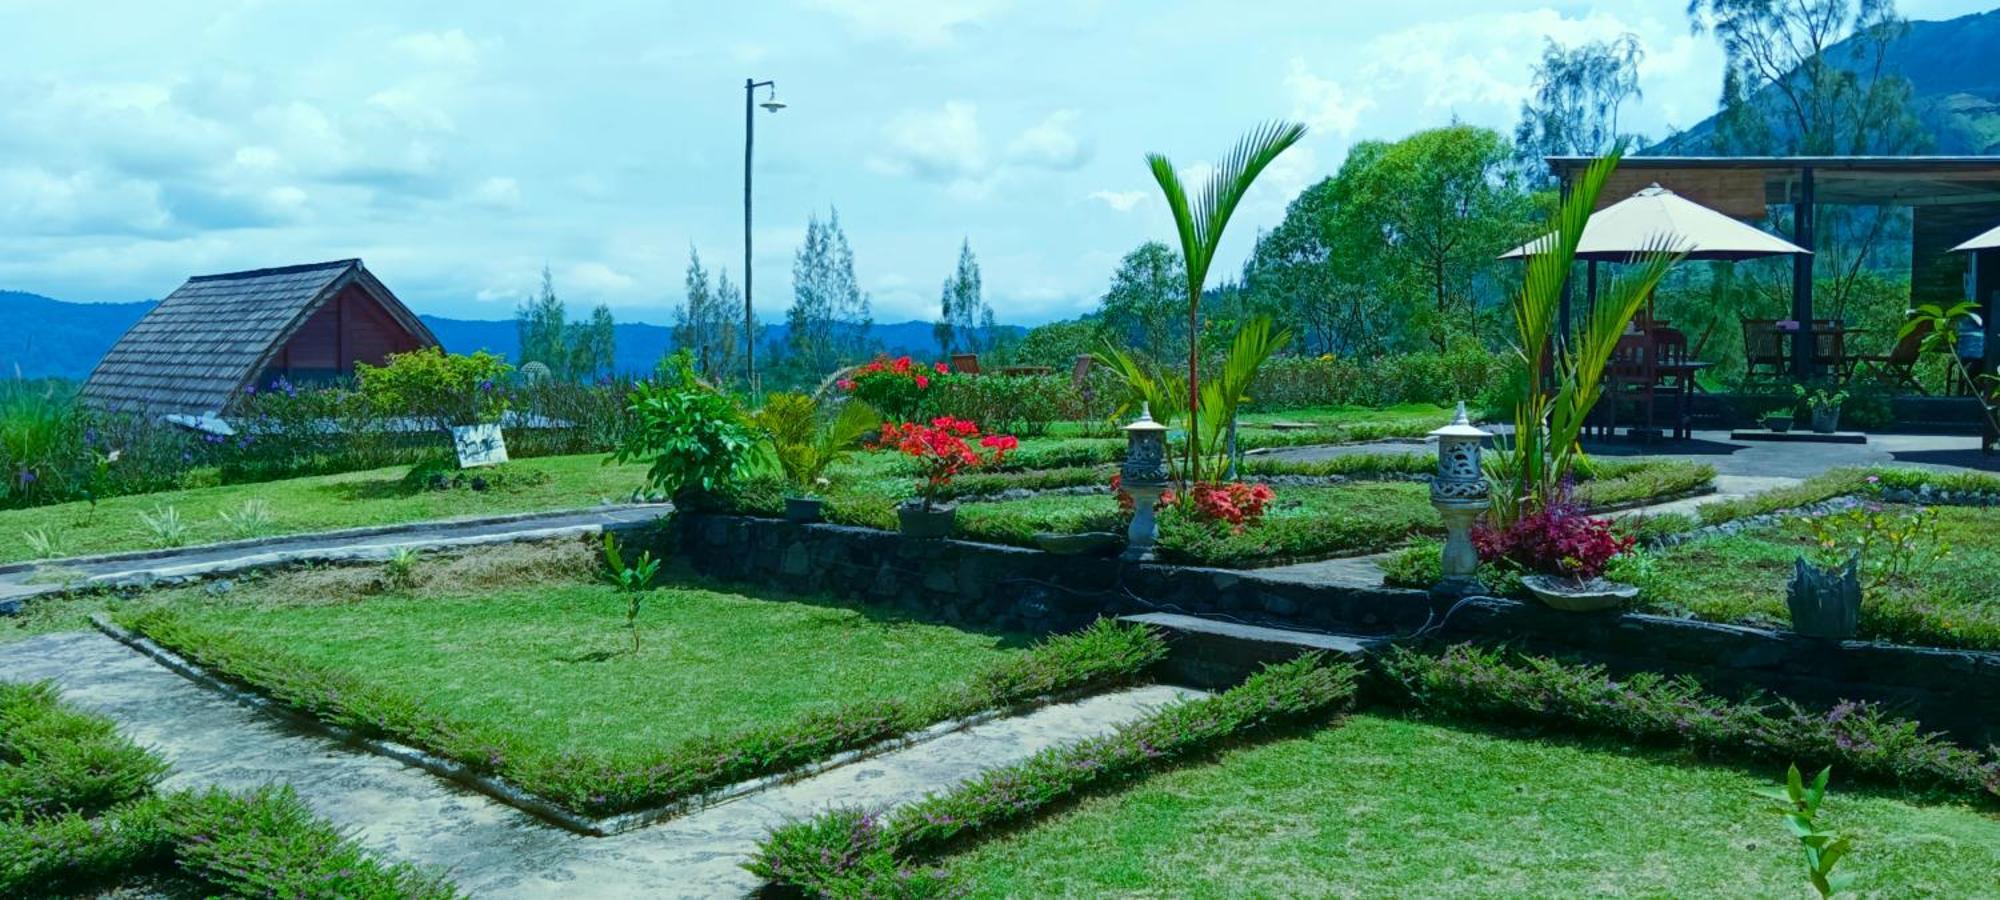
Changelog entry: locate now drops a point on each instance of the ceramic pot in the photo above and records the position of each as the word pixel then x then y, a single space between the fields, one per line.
pixel 1825 419
pixel 803 510
pixel 918 522
pixel 1570 595
pixel 1779 424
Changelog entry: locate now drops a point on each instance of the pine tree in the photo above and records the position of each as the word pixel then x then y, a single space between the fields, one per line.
pixel 829 319
pixel 965 321
pixel 539 324
pixel 705 325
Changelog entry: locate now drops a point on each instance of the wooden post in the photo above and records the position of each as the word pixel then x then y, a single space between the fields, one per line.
pixel 1803 346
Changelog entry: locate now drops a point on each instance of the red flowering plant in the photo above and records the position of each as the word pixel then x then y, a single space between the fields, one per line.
pixel 1235 504
pixel 943 449
pixel 894 386
pixel 1555 540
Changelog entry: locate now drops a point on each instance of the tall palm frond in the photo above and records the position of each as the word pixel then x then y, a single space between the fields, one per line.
pixel 1255 342
pixel 1200 225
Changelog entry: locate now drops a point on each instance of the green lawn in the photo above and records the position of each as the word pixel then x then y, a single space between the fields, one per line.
pixel 1385 807
pixel 514 661
pixel 1742 577
pixel 348 500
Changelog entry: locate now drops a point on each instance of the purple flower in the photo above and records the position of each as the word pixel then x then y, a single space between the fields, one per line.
pixel 486 385
pixel 249 390
pixel 27 477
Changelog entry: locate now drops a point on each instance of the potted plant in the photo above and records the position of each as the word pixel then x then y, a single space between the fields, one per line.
pixel 942 449
pixel 1779 420
pixel 1824 405
pixel 1562 554
pixel 806 443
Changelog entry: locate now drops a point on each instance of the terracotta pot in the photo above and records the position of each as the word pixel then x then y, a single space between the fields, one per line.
pixel 918 522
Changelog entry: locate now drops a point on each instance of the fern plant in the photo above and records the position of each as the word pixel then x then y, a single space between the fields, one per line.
pixel 806 443
pixel 632 581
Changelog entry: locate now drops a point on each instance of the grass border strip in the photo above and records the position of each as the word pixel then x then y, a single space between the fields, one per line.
pixel 511 794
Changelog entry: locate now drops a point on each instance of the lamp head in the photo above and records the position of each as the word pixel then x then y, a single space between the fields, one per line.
pixel 771 102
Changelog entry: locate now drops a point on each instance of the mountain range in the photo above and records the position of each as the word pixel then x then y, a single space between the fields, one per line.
pixel 1954 81
pixel 56 339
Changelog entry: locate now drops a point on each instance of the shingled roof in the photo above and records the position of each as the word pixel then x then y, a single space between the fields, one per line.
pixel 198 348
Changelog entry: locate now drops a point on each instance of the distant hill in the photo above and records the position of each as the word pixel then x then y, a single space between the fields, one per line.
pixel 49 338
pixel 1953 75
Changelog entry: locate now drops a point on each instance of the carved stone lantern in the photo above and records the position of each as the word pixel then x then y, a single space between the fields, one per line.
pixel 1460 494
pixel 1144 476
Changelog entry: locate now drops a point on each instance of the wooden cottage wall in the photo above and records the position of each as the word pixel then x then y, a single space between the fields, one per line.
pixel 350 328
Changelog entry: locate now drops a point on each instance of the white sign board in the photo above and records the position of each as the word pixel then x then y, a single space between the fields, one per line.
pixel 479 445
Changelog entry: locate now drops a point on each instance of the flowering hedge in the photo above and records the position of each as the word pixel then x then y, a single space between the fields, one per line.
pixel 895 387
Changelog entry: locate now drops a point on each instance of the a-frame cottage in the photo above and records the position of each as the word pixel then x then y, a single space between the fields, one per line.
pixel 199 348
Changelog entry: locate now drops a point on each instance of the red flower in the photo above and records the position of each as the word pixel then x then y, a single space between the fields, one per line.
pixel 1559 540
pixel 923 382
pixel 942 452
pixel 942 369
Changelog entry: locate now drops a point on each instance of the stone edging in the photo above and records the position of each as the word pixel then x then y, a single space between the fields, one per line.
pixel 506 792
pixel 336 534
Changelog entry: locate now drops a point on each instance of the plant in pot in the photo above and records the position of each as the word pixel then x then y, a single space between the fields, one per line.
pixel 806 443
pixel 1779 420
pixel 1561 555
pixel 1824 405
pixel 942 449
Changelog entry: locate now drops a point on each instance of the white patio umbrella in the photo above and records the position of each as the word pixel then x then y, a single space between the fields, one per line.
pixel 1656 218
pixel 1988 241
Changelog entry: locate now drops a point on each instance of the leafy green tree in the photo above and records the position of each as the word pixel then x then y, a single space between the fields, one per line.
pixel 1788 90
pixel 706 323
pixel 1432 210
pixel 1056 344
pixel 1319 271
pixel 1578 92
pixel 829 318
pixel 965 321
pixel 1144 306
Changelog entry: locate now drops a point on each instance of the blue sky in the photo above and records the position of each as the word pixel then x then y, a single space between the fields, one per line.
pixel 459 146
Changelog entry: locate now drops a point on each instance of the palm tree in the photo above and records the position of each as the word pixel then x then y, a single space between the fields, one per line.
pixel 1200 227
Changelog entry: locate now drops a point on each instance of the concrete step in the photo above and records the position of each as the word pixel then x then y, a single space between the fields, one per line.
pixel 1213 654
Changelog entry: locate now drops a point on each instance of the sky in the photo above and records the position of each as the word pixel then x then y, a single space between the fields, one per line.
pixel 460 147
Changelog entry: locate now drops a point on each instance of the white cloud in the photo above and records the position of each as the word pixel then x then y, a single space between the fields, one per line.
pixel 1122 201
pixel 944 144
pixel 595 278
pixel 498 192
pixel 1322 104
pixel 1051 143
pixel 927 24
pixel 447 48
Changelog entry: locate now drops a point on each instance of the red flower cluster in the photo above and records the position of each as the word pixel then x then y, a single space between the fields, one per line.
pixel 943 449
pixel 1236 503
pixel 900 369
pixel 1125 502
pixel 1559 540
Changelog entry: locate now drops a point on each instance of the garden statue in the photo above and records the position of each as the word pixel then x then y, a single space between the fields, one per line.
pixel 1144 476
pixel 1460 494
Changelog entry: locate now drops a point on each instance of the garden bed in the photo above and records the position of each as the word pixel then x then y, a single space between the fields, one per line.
pixel 80 815
pixel 355 499
pixel 517 665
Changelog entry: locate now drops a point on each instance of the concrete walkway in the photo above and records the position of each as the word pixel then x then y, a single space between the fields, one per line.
pixel 23 580
pixel 494 850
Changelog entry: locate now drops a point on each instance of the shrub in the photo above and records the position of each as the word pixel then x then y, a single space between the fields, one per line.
pixel 54 759
pixel 1555 540
pixel 805 443
pixel 943 449
pixel 1024 405
pixel 1515 688
pixel 696 437
pixel 1468 373
pixel 438 388
pixel 894 386
pixel 850 852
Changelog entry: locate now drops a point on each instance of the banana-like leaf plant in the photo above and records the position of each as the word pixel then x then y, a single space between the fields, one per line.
pixel 1565 381
pixel 1199 222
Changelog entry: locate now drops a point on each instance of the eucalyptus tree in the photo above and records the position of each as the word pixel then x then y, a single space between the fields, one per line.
pixel 1578 92
pixel 1199 222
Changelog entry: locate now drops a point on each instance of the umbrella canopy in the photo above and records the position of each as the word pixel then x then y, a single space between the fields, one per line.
pixel 1659 219
pixel 1988 241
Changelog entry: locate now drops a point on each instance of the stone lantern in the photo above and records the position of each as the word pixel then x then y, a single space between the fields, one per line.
pixel 1460 494
pixel 1144 476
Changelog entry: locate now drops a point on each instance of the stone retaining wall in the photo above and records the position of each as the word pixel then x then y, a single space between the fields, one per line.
pixel 987 585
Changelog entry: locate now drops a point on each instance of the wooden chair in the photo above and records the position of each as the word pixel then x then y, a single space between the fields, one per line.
pixel 1764 349
pixel 965 363
pixel 1629 374
pixel 1669 357
pixel 1899 365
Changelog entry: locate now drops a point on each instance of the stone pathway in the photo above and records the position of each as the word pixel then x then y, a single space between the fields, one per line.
pixel 494 850
pixel 23 580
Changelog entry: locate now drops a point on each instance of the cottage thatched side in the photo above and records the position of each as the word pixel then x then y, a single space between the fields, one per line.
pixel 197 350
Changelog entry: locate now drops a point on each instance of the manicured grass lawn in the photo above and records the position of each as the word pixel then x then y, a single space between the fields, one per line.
pixel 1382 806
pixel 1741 578
pixel 1406 414
pixel 549 668
pixel 348 500
pixel 516 662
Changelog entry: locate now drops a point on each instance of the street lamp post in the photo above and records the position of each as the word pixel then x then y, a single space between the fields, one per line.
pixel 771 103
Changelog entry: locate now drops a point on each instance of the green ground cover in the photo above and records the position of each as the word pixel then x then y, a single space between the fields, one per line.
pixel 1384 806
pixel 80 816
pixel 516 662
pixel 349 500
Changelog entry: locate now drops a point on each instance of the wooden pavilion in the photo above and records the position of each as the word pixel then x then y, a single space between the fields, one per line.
pixel 197 351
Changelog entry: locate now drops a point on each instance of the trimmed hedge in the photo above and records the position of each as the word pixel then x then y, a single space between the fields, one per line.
pixel 853 853
pixel 1104 655
pixel 1465 681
